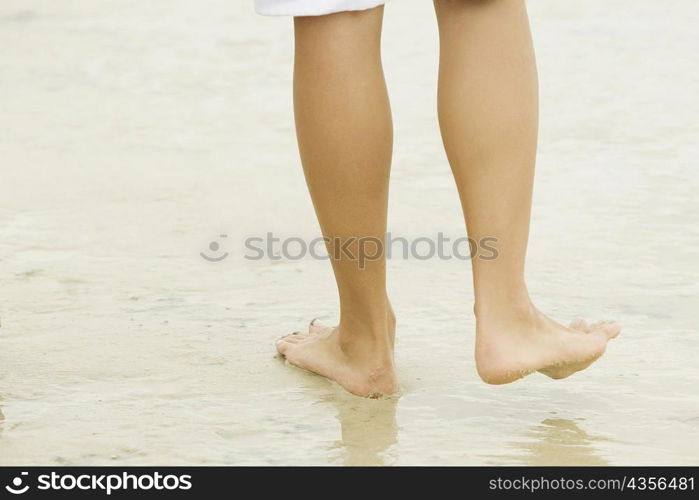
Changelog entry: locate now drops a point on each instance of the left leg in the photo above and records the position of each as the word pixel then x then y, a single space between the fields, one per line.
pixel 345 136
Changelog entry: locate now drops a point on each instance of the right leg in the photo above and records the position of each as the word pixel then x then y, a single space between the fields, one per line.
pixel 488 113
pixel 344 129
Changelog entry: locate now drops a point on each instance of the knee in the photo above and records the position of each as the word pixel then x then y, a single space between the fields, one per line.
pixel 342 31
pixel 469 4
pixel 348 22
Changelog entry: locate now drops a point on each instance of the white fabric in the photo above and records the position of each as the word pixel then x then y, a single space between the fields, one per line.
pixel 311 7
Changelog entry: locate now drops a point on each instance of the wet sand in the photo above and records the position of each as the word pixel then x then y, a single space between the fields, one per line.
pixel 134 133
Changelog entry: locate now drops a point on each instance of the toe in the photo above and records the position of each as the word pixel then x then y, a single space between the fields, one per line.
pixel 295 338
pixel 610 328
pixel 580 324
pixel 282 346
pixel 317 326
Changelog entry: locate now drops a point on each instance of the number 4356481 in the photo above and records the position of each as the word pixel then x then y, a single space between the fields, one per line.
pixel 661 483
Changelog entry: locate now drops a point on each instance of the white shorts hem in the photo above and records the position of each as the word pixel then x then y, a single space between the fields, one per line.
pixel 312 7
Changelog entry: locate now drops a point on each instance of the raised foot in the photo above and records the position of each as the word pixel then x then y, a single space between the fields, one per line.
pixel 366 371
pixel 509 348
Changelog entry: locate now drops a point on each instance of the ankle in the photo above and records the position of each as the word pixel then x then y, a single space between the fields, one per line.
pixel 370 349
pixel 504 306
pixel 370 323
pixel 366 337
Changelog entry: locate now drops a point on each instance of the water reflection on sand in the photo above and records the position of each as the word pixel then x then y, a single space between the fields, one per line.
pixel 368 430
pixel 555 441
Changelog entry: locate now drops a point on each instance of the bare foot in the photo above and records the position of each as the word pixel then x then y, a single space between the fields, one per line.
pixel 363 365
pixel 512 345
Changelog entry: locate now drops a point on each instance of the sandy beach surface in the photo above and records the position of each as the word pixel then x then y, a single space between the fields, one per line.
pixel 133 134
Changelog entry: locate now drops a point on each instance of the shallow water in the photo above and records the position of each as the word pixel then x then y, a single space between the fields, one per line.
pixel 134 133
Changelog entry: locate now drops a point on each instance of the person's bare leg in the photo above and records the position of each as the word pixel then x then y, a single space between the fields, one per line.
pixel 488 112
pixel 344 129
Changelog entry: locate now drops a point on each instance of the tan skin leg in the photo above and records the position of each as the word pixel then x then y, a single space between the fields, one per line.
pixel 488 116
pixel 488 113
pixel 345 136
